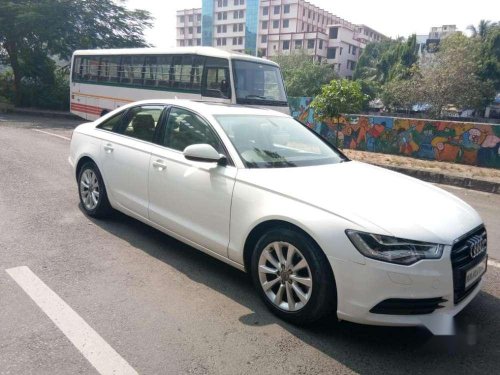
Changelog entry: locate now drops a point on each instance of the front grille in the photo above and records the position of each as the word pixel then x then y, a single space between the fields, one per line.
pixel 400 306
pixel 462 261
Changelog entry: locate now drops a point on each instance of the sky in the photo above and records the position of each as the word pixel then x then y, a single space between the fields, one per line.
pixel 392 18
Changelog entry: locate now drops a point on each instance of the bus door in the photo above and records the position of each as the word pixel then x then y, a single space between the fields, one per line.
pixel 216 82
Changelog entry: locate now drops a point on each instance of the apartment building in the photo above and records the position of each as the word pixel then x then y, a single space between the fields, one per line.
pixel 270 27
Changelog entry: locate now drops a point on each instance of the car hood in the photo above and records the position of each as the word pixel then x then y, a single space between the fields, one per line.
pixel 373 199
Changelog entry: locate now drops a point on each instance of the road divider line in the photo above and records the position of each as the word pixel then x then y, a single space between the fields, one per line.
pixel 493 263
pixel 52 134
pixel 93 347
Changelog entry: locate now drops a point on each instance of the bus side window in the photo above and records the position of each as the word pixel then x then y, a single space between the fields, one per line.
pixel 77 68
pixel 196 72
pixel 126 70
pixel 137 70
pixel 163 71
pixel 93 68
pixel 114 66
pixel 150 66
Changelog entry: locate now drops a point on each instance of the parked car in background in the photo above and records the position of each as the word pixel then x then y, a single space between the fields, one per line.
pixel 317 232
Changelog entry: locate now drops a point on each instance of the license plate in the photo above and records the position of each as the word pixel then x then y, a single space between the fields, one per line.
pixel 475 273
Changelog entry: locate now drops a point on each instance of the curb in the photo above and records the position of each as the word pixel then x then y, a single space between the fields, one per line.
pixel 446 179
pixel 42 113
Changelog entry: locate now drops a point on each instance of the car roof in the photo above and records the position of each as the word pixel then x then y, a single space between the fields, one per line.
pixel 214 108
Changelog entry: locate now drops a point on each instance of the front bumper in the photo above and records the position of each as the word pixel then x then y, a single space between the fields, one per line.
pixel 361 287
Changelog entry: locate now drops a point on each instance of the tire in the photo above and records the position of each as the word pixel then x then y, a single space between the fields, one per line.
pixel 318 300
pixel 92 191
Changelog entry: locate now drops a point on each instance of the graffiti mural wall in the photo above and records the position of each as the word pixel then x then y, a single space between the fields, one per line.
pixel 451 141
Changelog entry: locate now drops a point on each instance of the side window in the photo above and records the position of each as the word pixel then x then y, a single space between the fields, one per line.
pixel 141 122
pixel 185 128
pixel 112 123
pixel 216 82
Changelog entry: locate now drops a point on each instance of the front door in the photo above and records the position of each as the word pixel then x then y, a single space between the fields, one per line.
pixel 190 198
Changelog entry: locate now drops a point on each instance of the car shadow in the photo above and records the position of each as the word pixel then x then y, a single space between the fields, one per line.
pixel 364 349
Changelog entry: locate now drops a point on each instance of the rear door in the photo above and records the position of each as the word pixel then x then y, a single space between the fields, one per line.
pixel 190 198
pixel 125 155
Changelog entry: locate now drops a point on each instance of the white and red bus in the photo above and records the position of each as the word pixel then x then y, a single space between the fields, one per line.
pixel 102 80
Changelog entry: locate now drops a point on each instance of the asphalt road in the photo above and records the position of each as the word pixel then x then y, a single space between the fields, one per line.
pixel 166 308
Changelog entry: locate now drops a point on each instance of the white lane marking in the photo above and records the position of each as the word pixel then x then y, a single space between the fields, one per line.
pixel 52 134
pixel 493 263
pixel 93 347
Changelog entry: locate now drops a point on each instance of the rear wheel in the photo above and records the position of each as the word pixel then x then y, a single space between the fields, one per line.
pixel 293 277
pixel 92 191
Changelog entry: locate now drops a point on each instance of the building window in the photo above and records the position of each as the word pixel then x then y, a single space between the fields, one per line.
pixel 334 32
pixel 198 29
pixel 314 16
pixel 235 41
pixel 320 44
pixel 240 27
pixel 276 24
pixel 219 3
pixel 310 44
pixel 235 27
pixel 218 29
pixel 286 8
pixel 263 39
pixel 224 15
pixel 265 11
pixel 224 41
pixel 198 17
pixel 331 52
pixel 181 19
pixel 218 42
pixel 286 44
pixel 277 9
pixel 242 13
pixel 224 28
pixel 240 40
pixel 190 19
pixel 286 23
pixel 190 30
pixel 298 44
pixel 309 14
pixel 354 50
pixel 219 16
pixel 190 42
pixel 264 24
pixel 181 31
pixel 182 43
pixel 198 42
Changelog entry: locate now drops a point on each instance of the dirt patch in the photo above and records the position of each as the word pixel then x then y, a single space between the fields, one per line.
pixel 487 174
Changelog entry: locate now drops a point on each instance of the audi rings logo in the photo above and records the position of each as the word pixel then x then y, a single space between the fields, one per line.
pixel 477 246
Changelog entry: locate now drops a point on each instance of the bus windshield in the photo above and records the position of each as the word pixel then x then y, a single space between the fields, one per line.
pixel 258 83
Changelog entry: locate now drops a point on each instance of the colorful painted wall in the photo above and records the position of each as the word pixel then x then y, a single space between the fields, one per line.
pixel 451 141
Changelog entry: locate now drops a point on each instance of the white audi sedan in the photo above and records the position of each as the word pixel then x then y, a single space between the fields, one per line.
pixel 317 232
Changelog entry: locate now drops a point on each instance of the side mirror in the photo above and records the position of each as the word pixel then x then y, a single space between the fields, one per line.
pixel 205 153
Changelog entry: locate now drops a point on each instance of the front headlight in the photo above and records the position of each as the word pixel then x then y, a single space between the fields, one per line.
pixel 392 249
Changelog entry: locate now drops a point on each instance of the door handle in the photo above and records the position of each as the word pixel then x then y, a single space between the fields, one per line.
pixel 108 148
pixel 160 165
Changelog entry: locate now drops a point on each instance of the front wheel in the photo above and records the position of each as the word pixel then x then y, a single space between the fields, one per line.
pixel 92 191
pixel 293 277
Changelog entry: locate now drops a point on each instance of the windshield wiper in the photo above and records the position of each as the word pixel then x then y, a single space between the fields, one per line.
pixel 255 97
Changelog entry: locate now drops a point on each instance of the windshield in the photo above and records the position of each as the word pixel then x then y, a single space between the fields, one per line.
pixel 276 142
pixel 257 83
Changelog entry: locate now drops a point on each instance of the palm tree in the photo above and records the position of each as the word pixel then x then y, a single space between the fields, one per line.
pixel 482 29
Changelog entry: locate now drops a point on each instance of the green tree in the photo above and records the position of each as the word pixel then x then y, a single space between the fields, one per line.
pixel 302 75
pixel 490 56
pixel 404 93
pixel 31 31
pixel 387 60
pixel 482 29
pixel 453 76
pixel 337 98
